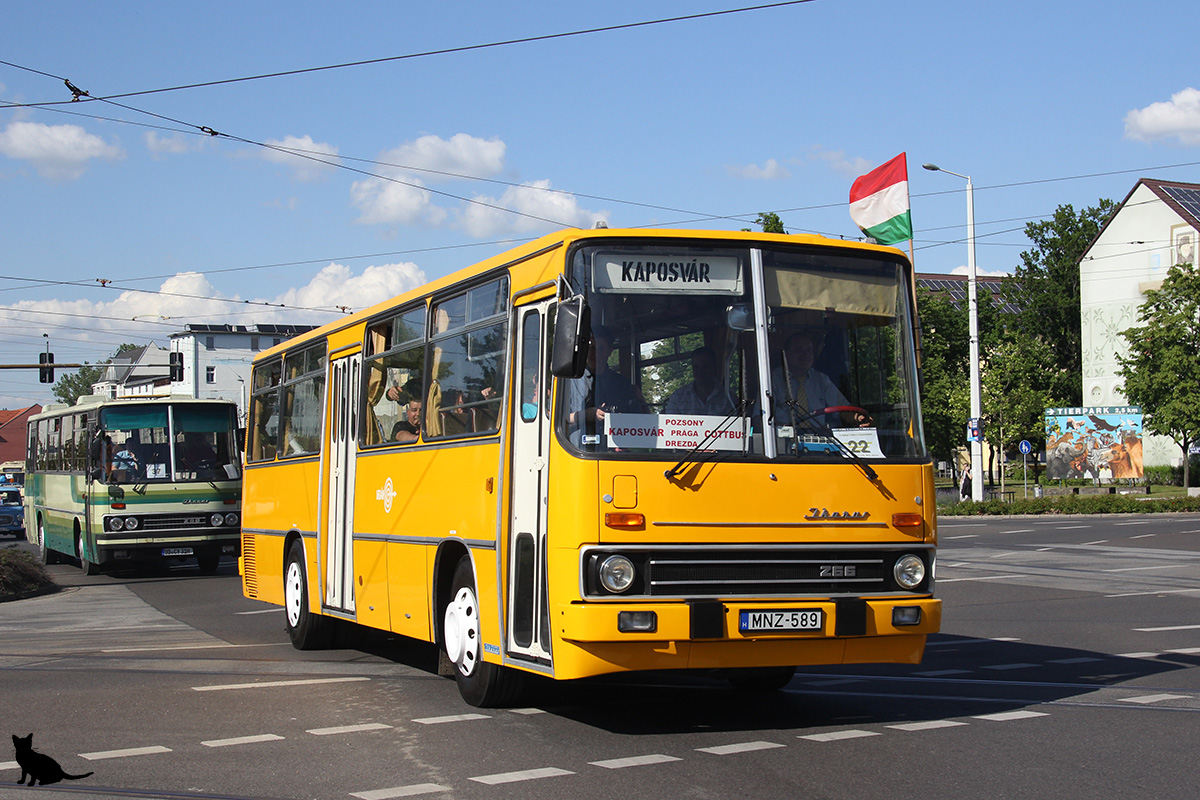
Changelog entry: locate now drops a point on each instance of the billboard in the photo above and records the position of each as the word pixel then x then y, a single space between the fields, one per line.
pixel 1103 443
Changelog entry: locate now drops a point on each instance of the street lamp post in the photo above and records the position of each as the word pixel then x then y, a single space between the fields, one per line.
pixel 973 306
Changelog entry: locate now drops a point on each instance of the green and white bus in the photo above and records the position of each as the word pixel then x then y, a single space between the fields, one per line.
pixel 117 484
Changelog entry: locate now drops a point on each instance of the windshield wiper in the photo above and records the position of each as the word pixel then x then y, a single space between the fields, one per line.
pixel 809 417
pixel 721 427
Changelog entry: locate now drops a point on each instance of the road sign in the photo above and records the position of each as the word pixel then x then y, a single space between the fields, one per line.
pixel 1025 447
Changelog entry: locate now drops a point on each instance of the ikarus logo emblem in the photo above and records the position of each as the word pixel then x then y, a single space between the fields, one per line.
pixel 387 494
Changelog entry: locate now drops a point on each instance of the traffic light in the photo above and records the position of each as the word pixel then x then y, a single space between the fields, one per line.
pixel 46 370
pixel 176 366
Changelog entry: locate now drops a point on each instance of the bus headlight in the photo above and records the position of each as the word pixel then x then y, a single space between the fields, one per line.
pixel 216 519
pixel 909 571
pixel 616 574
pixel 131 523
pixel 116 524
pixel 231 518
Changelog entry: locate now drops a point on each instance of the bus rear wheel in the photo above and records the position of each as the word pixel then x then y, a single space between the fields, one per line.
pixel 308 631
pixel 481 684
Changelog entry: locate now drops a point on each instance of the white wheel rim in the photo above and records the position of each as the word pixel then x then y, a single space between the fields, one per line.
pixel 461 631
pixel 293 593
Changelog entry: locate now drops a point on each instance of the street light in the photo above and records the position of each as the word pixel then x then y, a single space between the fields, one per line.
pixel 973 305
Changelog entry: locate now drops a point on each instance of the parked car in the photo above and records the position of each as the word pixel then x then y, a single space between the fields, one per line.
pixel 12 511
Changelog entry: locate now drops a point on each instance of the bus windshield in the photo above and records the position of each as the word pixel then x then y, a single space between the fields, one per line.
pixel 160 442
pixel 780 353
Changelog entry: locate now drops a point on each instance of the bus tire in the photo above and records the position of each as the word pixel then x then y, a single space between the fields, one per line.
pixel 308 631
pixel 481 684
pixel 47 555
pixel 760 679
pixel 88 567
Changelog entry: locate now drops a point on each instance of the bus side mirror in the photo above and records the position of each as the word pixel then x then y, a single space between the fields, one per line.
pixel 572 330
pixel 740 317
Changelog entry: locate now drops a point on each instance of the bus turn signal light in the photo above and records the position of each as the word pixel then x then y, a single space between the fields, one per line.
pixel 627 521
pixel 908 520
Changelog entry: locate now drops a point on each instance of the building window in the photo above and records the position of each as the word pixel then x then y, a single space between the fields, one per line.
pixel 254 343
pixel 210 343
pixel 210 374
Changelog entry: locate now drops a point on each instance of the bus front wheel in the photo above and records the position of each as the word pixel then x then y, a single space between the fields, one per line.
pixel 48 556
pixel 308 631
pixel 88 567
pixel 481 684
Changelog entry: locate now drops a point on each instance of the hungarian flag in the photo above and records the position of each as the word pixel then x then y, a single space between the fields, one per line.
pixel 879 202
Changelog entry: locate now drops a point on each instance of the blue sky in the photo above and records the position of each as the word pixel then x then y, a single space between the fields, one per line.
pixel 692 123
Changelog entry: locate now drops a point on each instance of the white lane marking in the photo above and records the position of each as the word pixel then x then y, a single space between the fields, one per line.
pixel 1072 528
pixel 1185 651
pixel 528 711
pixel 522 775
pixel 1010 666
pixel 1143 536
pixel 1020 530
pixel 972 641
pixel 8 765
pixel 450 718
pixel 961 524
pixel 981 578
pixel 272 684
pixel 1079 660
pixel 1143 522
pixel 634 761
pixel 1160 591
pixel 1139 569
pixel 1006 716
pixel 1168 628
pixel 132 751
pixel 963 536
pixel 1152 698
pixel 264 611
pixel 400 791
pixel 366 726
pixel 927 726
pixel 1098 541
pixel 837 736
pixel 214 646
pixel 262 737
pixel 742 747
pixel 1137 655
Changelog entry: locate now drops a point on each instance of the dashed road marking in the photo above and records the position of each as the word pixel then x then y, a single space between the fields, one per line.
pixel 132 751
pixel 980 578
pixel 401 791
pixel 1008 716
pixel 1137 655
pixel 528 711
pixel 837 736
pixel 522 775
pixel 634 761
pixel 1152 698
pixel 262 737
pixel 1168 628
pixel 927 726
pixel 366 726
pixel 741 747
pixel 274 684
pixel 449 718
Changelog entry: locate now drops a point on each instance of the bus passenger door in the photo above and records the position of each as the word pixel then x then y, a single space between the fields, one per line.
pixel 337 522
pixel 528 605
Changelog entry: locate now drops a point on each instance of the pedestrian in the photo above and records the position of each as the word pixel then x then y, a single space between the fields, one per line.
pixel 964 491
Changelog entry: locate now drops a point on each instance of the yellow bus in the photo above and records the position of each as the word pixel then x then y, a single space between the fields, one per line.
pixel 119 484
pixel 603 451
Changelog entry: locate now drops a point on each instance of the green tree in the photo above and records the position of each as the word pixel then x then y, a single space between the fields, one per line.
pixel 769 221
pixel 73 385
pixel 945 394
pixel 1162 368
pixel 1045 287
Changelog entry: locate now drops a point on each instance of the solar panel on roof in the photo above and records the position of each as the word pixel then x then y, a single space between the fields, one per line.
pixel 1188 198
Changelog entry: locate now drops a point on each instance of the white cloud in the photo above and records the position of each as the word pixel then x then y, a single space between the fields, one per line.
pixel 981 272
pixel 461 154
pixel 839 162
pixel 772 170
pixel 336 285
pixel 392 202
pixel 1179 118
pixel 538 210
pixel 175 144
pixel 313 161
pixel 58 152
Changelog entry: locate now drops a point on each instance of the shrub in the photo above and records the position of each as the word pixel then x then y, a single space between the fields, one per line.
pixel 1072 504
pixel 20 574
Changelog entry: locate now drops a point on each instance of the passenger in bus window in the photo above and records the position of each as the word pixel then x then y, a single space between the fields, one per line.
pixel 409 428
pixel 705 394
pixel 802 390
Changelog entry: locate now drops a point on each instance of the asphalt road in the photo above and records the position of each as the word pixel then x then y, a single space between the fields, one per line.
pixel 1067 668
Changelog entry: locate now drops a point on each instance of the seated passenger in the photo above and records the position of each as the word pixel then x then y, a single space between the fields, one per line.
pixel 409 428
pixel 705 394
pixel 806 391
pixel 601 390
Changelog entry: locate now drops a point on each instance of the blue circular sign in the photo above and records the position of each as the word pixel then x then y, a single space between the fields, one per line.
pixel 1025 447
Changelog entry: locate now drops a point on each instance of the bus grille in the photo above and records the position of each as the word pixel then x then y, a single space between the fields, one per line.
pixel 158 522
pixel 764 575
pixel 249 566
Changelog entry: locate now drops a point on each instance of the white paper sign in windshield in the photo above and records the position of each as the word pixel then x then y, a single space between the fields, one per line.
pixel 661 273
pixel 675 431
